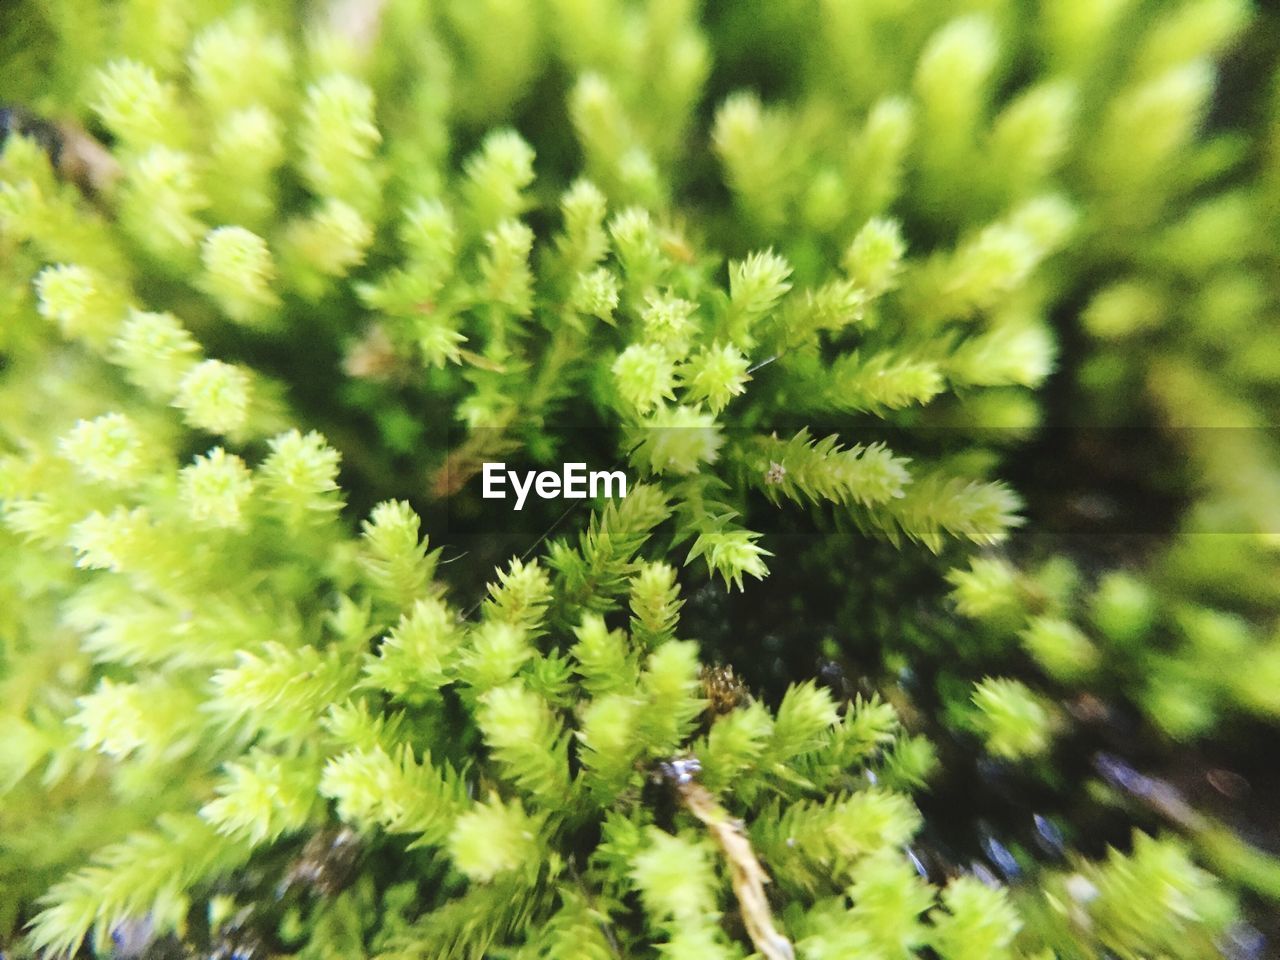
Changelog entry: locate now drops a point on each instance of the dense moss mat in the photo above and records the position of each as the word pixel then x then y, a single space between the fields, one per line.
pixel 936 342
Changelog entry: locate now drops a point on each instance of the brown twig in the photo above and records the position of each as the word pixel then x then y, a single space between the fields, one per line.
pixel 747 875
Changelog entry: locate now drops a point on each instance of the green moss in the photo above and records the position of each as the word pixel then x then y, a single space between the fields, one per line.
pixel 822 279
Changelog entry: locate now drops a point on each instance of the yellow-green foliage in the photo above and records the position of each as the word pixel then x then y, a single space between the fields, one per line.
pixel 332 257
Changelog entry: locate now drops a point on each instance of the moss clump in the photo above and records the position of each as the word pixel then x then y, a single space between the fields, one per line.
pixel 829 284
